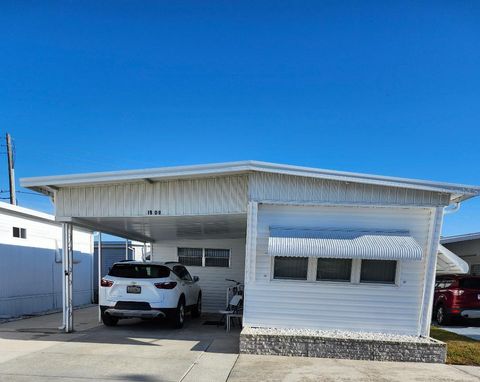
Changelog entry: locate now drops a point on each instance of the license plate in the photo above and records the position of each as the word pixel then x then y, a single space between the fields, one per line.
pixel 134 289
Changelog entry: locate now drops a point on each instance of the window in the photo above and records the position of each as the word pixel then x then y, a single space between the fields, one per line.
pixel 217 257
pixel 20 232
pixel 190 256
pixel 139 271
pixel 207 257
pixel 294 268
pixel 475 269
pixel 182 272
pixel 334 269
pixel 378 271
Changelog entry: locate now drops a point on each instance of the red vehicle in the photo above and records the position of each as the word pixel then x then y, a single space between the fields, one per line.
pixel 456 296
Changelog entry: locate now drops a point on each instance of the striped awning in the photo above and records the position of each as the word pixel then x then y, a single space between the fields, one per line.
pixel 344 243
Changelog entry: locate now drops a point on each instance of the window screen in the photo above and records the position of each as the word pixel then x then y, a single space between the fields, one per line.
pixel 19 232
pixel 334 269
pixel 475 269
pixel 294 268
pixel 190 256
pixel 217 257
pixel 378 271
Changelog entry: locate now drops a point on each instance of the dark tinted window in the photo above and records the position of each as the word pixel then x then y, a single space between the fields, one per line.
pixel 182 272
pixel 334 269
pixel 19 232
pixel 469 283
pixel 217 257
pixel 190 256
pixel 294 268
pixel 378 271
pixel 139 271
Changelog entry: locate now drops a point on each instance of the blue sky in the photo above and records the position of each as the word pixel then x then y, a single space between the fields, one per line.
pixel 372 87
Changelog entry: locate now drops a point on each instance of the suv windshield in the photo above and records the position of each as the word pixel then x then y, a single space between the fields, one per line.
pixel 470 283
pixel 139 271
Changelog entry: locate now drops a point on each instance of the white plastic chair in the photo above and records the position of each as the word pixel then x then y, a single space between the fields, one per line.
pixel 234 310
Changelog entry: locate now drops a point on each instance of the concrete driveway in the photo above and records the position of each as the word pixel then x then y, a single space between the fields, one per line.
pixel 467 331
pixel 34 350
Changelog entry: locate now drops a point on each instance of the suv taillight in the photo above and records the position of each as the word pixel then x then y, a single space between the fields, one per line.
pixel 106 283
pixel 166 285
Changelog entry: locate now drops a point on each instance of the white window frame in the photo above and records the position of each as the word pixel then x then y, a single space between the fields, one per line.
pixel 354 275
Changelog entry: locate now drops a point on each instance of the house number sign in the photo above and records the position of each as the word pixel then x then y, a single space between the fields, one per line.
pixel 154 212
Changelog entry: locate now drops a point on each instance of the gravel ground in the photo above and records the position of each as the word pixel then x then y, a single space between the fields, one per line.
pixel 341 334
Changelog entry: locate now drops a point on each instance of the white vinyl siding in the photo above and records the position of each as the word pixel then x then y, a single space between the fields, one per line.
pixel 288 188
pixel 334 305
pixel 204 196
pixel 31 277
pixel 212 279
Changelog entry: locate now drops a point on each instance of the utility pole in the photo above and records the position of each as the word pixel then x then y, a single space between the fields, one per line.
pixel 11 171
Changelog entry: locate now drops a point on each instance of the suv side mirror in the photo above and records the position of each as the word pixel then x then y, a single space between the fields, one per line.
pixel 195 279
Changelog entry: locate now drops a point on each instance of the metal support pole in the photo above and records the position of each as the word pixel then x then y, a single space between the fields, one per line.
pixel 67 230
pixel 126 249
pixel 99 274
pixel 144 252
pixel 11 170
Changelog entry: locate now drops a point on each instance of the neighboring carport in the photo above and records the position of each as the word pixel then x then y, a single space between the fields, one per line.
pixel 450 263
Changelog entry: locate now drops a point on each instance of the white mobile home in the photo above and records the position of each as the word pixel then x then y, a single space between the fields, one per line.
pixel 316 249
pixel 31 262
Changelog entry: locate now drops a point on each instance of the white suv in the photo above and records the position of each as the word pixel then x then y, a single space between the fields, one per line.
pixel 149 290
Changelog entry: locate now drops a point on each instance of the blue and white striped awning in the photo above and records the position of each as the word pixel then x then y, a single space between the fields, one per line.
pixel 344 244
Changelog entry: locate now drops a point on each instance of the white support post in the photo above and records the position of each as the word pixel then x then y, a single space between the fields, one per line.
pixel 99 281
pixel 250 254
pixel 67 261
pixel 430 272
pixel 126 249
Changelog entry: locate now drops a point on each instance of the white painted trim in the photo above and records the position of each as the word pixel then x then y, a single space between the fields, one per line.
pixel 340 204
pixel 457 238
pixel 430 271
pixel 251 242
pixel 458 191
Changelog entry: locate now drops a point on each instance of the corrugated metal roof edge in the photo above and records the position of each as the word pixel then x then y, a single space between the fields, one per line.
pixel 33 214
pixel 456 238
pixel 458 192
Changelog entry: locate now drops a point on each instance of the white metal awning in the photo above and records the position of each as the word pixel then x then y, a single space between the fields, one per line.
pixel 344 243
pixel 448 262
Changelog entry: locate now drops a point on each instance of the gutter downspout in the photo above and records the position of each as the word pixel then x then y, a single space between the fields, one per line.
pixel 455 207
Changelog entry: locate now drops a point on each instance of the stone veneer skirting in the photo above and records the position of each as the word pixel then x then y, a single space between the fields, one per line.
pixel 431 351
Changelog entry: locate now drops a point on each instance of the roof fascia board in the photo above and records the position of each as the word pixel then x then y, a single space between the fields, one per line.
pixel 458 192
pixel 457 238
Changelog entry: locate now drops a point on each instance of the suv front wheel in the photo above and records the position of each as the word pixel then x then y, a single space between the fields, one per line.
pixel 197 309
pixel 179 316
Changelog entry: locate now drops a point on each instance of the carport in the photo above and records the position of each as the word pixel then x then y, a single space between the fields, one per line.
pixel 160 208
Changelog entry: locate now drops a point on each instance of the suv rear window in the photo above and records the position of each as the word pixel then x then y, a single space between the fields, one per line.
pixel 139 271
pixel 470 283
